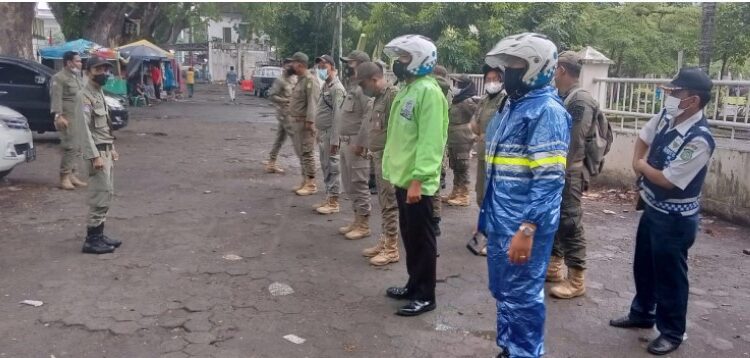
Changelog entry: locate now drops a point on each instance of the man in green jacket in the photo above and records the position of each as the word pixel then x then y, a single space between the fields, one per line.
pixel 417 133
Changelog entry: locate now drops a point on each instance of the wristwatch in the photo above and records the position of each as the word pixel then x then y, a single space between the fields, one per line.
pixel 527 230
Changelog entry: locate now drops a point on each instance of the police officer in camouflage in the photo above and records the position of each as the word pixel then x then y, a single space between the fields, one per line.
pixel 570 243
pixel 302 109
pixel 280 91
pixel 93 131
pixel 461 138
pixel 65 86
pixel 331 96
pixel 355 166
pixel 372 80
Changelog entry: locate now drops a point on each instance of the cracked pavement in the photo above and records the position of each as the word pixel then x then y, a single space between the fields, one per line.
pixel 190 189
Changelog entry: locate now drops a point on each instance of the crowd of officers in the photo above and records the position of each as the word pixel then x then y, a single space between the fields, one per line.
pixel 349 127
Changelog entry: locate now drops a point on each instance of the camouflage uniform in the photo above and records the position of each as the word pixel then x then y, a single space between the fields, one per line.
pixel 570 242
pixel 330 99
pixel 386 192
pixel 460 141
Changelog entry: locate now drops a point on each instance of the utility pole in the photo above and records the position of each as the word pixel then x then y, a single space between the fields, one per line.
pixel 341 26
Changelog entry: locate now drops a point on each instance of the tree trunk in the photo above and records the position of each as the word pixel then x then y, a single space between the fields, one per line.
pixel 706 41
pixel 16 22
pixel 724 61
pixel 104 23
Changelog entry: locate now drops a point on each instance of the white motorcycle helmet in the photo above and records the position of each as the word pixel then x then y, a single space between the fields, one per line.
pixel 423 53
pixel 536 50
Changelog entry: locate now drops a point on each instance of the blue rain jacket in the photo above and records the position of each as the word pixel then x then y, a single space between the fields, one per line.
pixel 527 144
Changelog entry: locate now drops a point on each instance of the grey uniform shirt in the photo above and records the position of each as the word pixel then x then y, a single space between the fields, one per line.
pixel 331 96
pixel 355 111
pixel 681 171
pixel 92 124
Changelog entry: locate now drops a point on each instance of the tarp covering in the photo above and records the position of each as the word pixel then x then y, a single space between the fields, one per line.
pixel 85 49
pixel 126 49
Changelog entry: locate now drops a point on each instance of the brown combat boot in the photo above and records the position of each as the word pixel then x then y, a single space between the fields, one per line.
pixel 308 188
pixel 361 228
pixel 273 168
pixel 331 206
pixel 573 286
pixel 77 182
pixel 461 198
pixel 345 229
pixel 451 196
pixel 375 250
pixel 389 254
pixel 555 269
pixel 65 182
pixel 300 186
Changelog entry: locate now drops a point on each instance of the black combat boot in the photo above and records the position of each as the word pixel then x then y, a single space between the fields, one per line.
pixel 108 240
pixel 94 243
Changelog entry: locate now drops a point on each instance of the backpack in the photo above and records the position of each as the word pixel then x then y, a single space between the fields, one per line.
pixel 598 140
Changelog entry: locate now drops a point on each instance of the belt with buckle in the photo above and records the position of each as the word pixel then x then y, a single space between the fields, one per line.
pixel 103 147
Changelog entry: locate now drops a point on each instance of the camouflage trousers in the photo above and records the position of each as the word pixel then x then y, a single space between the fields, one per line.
pixel 437 204
pixel 284 130
pixel 101 190
pixel 70 152
pixel 355 173
pixel 386 198
pixel 570 242
pixel 329 163
pixel 458 161
pixel 303 136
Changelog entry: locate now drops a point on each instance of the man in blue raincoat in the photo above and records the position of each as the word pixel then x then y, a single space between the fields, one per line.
pixel 527 144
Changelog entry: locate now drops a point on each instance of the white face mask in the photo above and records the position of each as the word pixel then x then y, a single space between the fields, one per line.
pixel 672 106
pixel 456 91
pixel 493 87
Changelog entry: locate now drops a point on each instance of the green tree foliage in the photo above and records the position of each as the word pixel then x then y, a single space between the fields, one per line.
pixel 732 43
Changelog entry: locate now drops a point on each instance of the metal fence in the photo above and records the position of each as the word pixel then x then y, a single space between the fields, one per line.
pixel 633 101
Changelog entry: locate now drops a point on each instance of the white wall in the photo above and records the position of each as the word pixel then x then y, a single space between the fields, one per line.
pixel 726 192
pixel 216 28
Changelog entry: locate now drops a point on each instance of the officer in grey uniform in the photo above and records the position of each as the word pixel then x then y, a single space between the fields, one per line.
pixel 280 91
pixel 331 96
pixel 570 242
pixel 93 131
pixel 65 86
pixel 355 166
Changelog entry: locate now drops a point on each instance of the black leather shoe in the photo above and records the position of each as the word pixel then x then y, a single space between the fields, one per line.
pixel 108 240
pixel 416 308
pixel 399 293
pixel 661 346
pixel 626 322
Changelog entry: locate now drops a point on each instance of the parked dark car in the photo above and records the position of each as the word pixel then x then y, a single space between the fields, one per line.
pixel 263 79
pixel 25 87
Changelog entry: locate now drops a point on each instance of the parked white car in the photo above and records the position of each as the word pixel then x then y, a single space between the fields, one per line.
pixel 16 144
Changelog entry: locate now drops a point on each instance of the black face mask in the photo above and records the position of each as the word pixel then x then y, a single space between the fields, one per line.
pixel 513 82
pixel 290 71
pixel 399 69
pixel 101 79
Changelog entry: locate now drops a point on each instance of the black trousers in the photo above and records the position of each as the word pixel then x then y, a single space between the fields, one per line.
pixel 157 91
pixel 661 272
pixel 418 235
